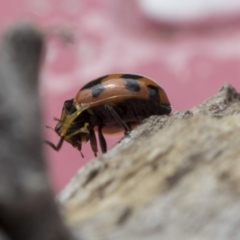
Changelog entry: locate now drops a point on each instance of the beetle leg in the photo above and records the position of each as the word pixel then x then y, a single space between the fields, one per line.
pixel 102 140
pixel 93 141
pixel 118 119
pixel 55 147
pixel 79 148
pixel 127 133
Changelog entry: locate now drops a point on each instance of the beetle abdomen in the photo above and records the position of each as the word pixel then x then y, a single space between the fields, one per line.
pixel 131 111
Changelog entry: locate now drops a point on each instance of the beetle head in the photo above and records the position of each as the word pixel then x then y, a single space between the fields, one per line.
pixel 71 127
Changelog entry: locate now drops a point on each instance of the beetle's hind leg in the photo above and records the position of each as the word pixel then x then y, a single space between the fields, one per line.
pixel 118 119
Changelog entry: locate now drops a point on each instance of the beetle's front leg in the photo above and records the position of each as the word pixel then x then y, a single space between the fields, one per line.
pixel 93 141
pixel 102 140
pixel 55 147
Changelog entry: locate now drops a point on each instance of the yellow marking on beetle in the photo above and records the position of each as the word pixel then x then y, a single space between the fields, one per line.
pixel 81 130
pixel 67 122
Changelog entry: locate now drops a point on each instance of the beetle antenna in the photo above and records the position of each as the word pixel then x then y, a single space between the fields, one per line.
pixel 57 119
pixel 50 128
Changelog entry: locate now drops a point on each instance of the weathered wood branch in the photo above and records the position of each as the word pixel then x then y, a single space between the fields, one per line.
pixel 27 207
pixel 175 177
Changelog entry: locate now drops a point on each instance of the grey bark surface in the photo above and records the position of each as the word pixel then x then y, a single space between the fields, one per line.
pixel 175 177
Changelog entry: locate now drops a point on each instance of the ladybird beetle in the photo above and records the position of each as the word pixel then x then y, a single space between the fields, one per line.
pixel 109 104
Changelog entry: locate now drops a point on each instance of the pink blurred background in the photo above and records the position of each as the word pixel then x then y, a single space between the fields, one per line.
pixel 191 48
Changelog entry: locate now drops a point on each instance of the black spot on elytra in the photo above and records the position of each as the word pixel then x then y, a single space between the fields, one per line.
pixel 131 76
pixel 97 89
pixel 132 85
pixel 94 83
pixel 153 92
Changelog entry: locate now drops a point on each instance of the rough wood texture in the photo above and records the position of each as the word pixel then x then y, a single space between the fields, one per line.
pixel 175 177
